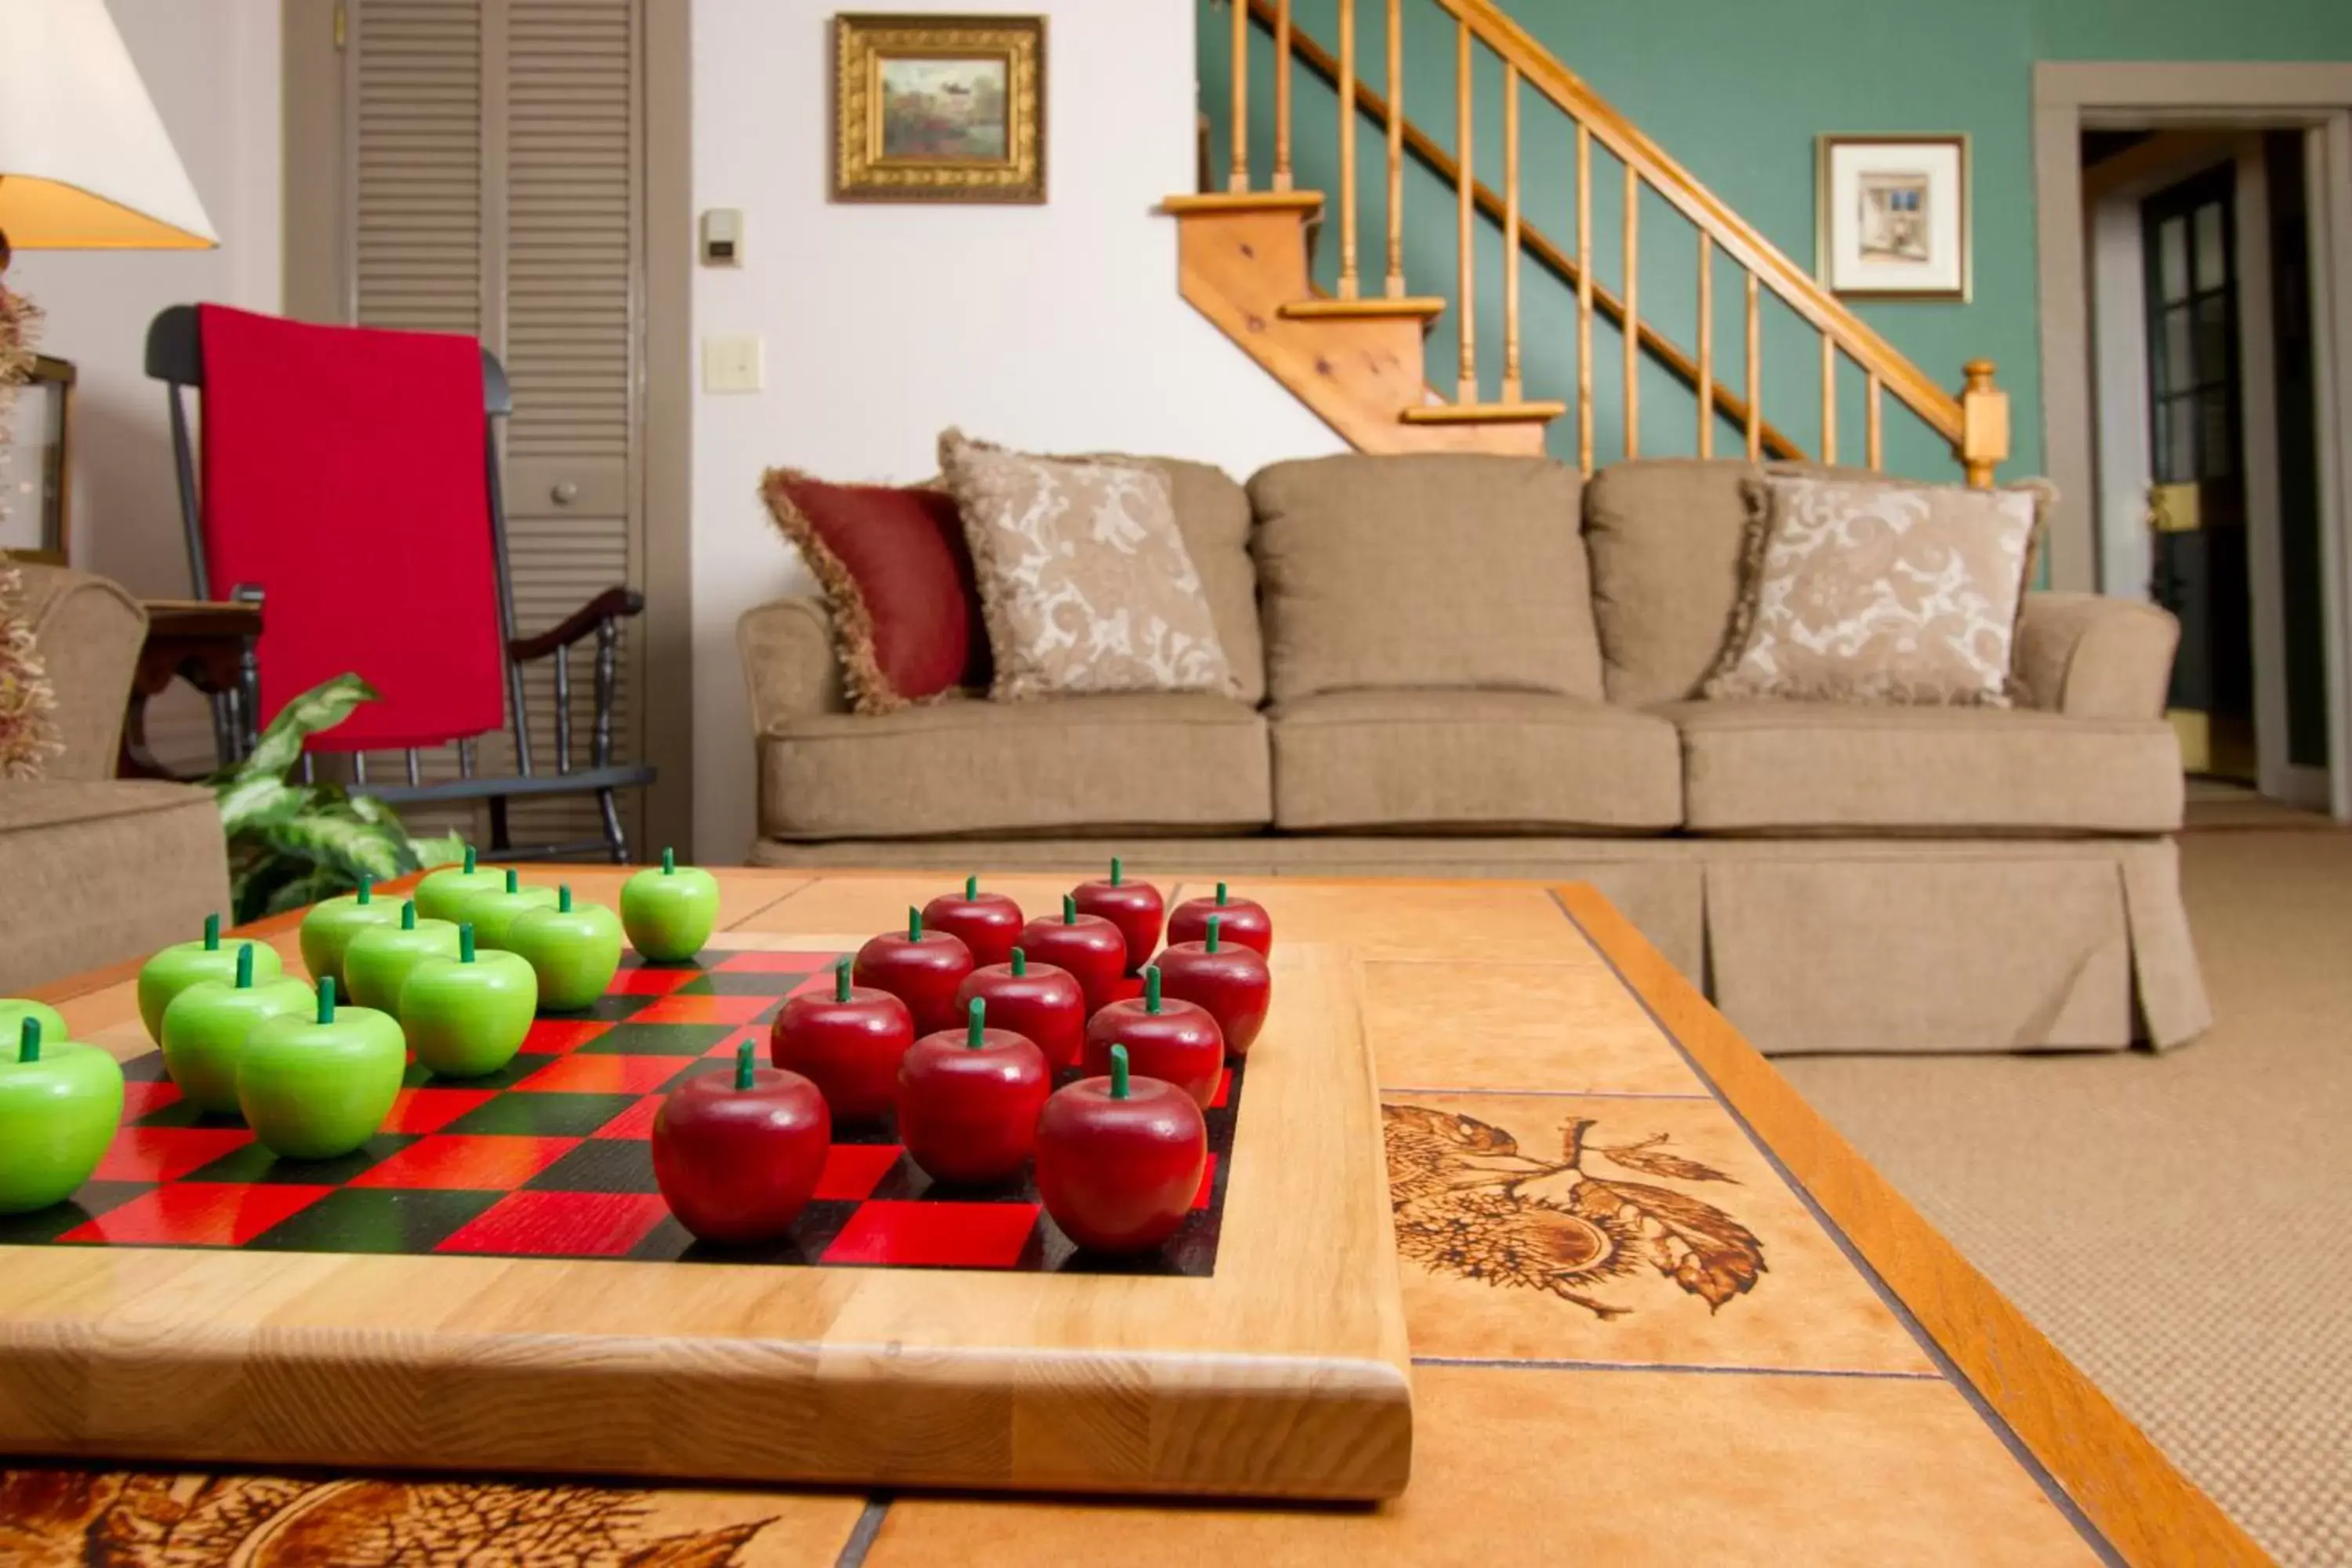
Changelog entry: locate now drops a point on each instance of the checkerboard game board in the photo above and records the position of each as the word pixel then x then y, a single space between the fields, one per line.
pixel 551 1157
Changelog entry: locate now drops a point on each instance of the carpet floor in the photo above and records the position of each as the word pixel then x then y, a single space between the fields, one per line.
pixel 2179 1226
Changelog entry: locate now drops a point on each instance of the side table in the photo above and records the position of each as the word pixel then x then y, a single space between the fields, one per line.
pixel 211 646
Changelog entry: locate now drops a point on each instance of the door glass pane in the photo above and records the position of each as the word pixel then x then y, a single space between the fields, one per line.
pixel 2215 461
pixel 2180 439
pixel 2172 248
pixel 2179 370
pixel 2212 264
pixel 2213 338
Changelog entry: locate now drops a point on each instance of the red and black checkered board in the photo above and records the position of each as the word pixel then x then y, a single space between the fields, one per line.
pixel 550 1157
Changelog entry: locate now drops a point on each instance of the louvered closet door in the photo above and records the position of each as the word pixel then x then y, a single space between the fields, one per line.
pixel 495 157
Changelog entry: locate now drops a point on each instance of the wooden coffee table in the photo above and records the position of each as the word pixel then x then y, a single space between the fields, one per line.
pixel 1657 1312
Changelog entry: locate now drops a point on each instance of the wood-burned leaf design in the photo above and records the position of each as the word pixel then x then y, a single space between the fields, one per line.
pixel 1653 1159
pixel 1694 1244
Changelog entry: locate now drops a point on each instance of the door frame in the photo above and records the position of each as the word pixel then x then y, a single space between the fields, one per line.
pixel 2317 99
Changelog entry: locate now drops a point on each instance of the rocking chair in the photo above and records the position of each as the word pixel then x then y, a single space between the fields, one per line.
pixel 343 469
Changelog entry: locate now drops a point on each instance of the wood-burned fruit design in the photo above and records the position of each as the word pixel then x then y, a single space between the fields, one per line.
pixel 66 1518
pixel 1467 1203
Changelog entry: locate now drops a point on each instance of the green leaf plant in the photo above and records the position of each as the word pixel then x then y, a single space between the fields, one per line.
pixel 291 843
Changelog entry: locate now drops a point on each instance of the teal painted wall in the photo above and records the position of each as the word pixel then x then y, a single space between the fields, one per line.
pixel 1738 94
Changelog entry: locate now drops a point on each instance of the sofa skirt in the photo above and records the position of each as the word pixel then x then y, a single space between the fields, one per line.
pixel 1805 944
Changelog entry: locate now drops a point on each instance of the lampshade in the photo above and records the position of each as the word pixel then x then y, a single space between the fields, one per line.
pixel 85 163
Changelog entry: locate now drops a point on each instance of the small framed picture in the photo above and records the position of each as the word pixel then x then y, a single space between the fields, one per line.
pixel 938 109
pixel 35 454
pixel 1894 217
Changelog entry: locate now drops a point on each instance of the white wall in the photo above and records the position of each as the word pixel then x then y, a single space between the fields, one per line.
pixel 1055 327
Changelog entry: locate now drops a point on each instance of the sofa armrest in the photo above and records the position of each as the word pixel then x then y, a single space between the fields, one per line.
pixel 789 664
pixel 88 634
pixel 2089 657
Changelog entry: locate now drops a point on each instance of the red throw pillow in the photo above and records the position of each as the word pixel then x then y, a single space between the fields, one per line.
pixel 894 564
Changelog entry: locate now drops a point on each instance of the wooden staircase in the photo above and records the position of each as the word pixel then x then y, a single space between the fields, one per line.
pixel 1245 261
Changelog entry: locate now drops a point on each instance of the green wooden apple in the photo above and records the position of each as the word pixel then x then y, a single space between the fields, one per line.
pixel 494 914
pixel 466 1016
pixel 180 965
pixel 60 1107
pixel 15 1010
pixel 575 948
pixel 317 1088
pixel 330 926
pixel 206 1026
pixel 441 892
pixel 378 962
pixel 668 913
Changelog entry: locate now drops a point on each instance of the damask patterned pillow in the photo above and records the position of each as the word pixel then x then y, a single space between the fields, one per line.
pixel 1875 590
pixel 1084 579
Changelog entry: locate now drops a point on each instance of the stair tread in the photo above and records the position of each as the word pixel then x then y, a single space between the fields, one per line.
pixel 1242 202
pixel 1423 307
pixel 1482 412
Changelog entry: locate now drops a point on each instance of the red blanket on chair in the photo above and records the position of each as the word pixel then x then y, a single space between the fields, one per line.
pixel 345 473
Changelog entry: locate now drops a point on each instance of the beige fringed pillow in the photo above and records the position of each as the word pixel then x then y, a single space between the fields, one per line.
pixel 1084 579
pixel 1865 590
pixel 28 735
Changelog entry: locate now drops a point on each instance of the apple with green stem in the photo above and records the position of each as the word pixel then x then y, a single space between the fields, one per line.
pixel 183 964
pixel 575 948
pixel 317 1088
pixel 468 1016
pixel 381 958
pixel 668 913
pixel 330 926
pixel 15 1010
pixel 494 914
pixel 60 1106
pixel 440 894
pixel 207 1027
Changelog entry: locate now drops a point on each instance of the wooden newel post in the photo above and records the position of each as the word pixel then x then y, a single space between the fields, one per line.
pixel 1984 424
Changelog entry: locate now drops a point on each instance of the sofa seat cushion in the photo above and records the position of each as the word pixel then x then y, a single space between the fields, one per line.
pixel 1470 760
pixel 101 871
pixel 1767 766
pixel 1185 762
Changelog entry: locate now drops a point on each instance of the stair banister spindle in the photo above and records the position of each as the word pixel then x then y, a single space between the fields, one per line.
pixel 1238 180
pixel 1706 345
pixel 1394 288
pixel 1755 375
pixel 1584 298
pixel 1281 92
pixel 1348 287
pixel 1513 389
pixel 1465 218
pixel 1874 451
pixel 1829 398
pixel 1633 323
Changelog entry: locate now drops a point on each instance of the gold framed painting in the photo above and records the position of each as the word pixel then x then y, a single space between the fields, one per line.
pixel 1893 217
pixel 938 109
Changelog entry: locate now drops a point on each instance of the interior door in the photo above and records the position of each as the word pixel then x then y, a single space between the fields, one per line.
pixel 2198 507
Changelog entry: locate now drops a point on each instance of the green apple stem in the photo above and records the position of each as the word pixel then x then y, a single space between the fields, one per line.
pixel 514 881
pixel 1221 895
pixel 28 1041
pixel 1115 870
pixel 465 941
pixel 971 888
pixel 1020 963
pixel 1118 1072
pixel 469 859
pixel 1069 909
pixel 841 977
pixel 367 891
pixel 975 1029
pixel 669 862
pixel 408 914
pixel 743 1064
pixel 244 967
pixel 563 897
pixel 914 923
pixel 326 999
pixel 1214 921
pixel 212 933
pixel 1152 988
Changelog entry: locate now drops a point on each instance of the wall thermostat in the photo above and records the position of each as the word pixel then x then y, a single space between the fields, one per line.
pixel 723 238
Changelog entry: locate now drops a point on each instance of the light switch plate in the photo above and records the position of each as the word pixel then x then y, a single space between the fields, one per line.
pixel 731 365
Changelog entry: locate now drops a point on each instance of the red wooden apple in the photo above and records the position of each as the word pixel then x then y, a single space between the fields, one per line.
pixel 1175 1042
pixel 1244 921
pixel 1119 1160
pixel 1040 1001
pixel 847 1042
pixel 1088 946
pixel 1229 980
pixel 988 923
pixel 969 1099
pixel 921 969
pixel 738 1154
pixel 1133 906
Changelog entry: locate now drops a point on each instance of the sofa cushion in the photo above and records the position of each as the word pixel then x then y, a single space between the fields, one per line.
pixel 99 872
pixel 1761 767
pixel 88 633
pixel 1445 569
pixel 1666 536
pixel 1213 513
pixel 1170 762
pixel 1465 760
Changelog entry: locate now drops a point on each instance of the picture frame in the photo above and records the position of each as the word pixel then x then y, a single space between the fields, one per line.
pixel 938 108
pixel 1893 217
pixel 36 464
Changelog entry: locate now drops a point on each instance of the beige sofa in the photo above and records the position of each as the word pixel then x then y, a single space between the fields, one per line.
pixel 1841 878
pixel 95 870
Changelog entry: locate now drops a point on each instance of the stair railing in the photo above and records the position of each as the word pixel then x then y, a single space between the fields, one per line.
pixel 1975 421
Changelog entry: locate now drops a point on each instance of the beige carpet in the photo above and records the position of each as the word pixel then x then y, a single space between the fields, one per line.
pixel 2179 1226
